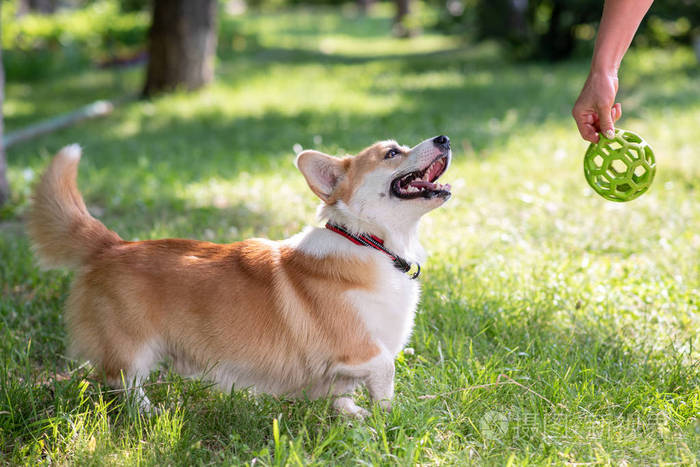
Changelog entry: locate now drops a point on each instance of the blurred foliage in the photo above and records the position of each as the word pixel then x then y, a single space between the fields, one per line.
pixel 134 5
pixel 103 32
pixel 88 33
pixel 542 29
pixel 272 4
pixel 36 46
pixel 557 29
pixel 671 21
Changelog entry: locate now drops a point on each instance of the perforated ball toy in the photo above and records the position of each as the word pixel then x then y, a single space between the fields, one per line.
pixel 620 169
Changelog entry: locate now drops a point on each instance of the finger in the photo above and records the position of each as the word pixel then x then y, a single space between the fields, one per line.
pixel 585 122
pixel 581 114
pixel 586 118
pixel 617 109
pixel 587 131
pixel 606 122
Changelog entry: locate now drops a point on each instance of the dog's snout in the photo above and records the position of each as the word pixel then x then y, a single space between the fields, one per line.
pixel 442 141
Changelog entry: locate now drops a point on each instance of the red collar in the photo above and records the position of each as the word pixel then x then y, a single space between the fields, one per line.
pixel 377 243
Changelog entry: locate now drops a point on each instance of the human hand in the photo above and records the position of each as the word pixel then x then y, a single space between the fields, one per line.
pixel 595 109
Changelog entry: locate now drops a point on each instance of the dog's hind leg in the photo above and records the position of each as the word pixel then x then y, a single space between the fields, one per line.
pixel 120 345
pixel 141 365
pixel 132 376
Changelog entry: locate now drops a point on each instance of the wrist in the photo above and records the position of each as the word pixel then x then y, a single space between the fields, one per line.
pixel 605 65
pixel 600 69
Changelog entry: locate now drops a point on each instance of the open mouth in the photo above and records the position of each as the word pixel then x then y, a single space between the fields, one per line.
pixel 422 183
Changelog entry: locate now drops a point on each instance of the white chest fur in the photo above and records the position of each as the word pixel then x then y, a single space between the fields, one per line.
pixel 389 308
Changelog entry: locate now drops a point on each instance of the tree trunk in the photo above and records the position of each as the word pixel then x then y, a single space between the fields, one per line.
pixel 364 6
pixel 403 8
pixel 517 18
pixel 558 42
pixel 182 43
pixel 4 186
pixel 44 7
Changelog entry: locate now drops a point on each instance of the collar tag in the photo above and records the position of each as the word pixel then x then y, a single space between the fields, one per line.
pixel 413 270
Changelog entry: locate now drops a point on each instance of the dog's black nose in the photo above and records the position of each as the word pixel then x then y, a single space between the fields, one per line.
pixel 442 141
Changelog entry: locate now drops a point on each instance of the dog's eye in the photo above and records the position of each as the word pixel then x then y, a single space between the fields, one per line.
pixel 392 153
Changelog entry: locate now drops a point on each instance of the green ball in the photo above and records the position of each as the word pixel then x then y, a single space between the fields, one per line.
pixel 620 169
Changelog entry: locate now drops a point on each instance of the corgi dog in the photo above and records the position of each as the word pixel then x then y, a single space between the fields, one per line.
pixel 310 316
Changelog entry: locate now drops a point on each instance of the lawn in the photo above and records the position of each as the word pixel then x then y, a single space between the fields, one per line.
pixel 555 327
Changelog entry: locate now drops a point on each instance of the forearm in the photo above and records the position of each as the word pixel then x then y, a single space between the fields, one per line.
pixel 618 25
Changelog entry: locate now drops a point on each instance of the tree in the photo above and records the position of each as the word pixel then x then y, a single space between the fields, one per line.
pixel 4 186
pixel 403 8
pixel 182 43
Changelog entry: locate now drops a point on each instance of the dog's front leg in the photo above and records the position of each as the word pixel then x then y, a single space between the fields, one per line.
pixel 341 390
pixel 377 374
pixel 380 380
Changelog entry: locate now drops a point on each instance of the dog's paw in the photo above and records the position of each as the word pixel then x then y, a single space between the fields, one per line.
pixel 385 404
pixel 139 403
pixel 346 406
pixel 360 413
pixel 153 411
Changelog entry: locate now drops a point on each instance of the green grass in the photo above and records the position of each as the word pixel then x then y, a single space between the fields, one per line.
pixel 590 307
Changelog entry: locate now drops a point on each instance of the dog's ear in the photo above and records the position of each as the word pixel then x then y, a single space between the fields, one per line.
pixel 322 172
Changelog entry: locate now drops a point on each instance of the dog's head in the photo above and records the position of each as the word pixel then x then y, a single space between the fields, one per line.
pixel 385 186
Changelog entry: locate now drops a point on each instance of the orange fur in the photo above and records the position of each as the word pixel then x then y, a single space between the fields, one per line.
pixel 63 232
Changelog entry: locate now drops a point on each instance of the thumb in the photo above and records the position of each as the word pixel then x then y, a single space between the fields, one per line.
pixel 606 122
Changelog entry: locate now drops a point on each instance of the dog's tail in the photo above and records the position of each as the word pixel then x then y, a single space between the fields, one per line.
pixel 62 231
